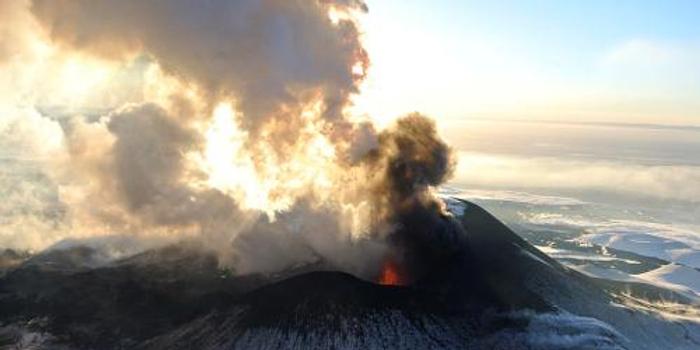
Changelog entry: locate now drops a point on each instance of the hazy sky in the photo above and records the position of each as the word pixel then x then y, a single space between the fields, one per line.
pixel 603 61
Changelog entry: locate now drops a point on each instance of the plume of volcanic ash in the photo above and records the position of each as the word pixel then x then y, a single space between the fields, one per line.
pixel 410 160
pixel 240 135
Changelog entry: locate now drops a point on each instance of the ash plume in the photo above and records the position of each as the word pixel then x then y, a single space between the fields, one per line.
pixel 240 135
pixel 412 159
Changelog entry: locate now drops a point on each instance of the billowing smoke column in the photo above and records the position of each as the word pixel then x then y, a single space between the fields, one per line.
pixel 241 136
pixel 411 159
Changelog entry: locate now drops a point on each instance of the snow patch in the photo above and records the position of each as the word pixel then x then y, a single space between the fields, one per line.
pixel 454 206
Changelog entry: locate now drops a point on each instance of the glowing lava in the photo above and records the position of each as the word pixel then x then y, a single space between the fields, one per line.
pixel 390 275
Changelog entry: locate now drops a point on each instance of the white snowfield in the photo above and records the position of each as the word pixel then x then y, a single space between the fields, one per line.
pixel 671 243
pixel 675 275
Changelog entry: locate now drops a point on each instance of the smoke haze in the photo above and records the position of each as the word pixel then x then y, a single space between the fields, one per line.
pixel 224 122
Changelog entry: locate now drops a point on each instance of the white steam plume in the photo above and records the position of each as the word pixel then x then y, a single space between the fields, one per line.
pixel 214 114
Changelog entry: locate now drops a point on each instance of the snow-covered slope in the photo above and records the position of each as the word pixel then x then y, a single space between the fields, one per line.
pixel 334 310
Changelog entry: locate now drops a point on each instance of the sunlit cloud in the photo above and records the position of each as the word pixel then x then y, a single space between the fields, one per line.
pixel 675 182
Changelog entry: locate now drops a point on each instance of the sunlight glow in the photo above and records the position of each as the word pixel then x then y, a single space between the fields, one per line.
pixel 267 183
pixel 78 78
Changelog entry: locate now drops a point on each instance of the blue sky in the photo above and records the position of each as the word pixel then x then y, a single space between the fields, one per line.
pixel 608 61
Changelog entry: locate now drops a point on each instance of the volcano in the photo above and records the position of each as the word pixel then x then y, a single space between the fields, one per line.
pixel 497 291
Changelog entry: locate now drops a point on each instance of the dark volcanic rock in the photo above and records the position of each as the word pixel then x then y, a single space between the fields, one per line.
pixel 10 259
pixel 495 291
pixel 337 310
pixel 123 303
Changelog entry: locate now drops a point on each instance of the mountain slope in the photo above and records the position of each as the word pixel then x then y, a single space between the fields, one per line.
pixel 497 291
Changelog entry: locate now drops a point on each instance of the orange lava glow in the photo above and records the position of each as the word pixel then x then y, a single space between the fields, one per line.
pixel 390 275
